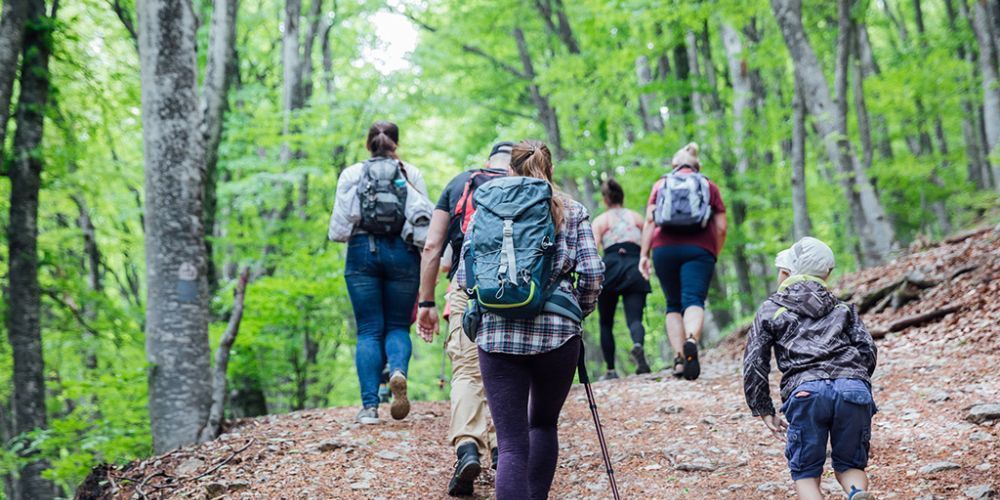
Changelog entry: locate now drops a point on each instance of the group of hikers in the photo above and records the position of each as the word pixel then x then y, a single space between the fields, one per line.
pixel 524 265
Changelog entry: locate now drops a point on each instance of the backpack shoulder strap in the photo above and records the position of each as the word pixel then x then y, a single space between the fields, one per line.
pixel 465 201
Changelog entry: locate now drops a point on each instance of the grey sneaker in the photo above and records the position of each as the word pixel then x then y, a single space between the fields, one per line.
pixel 610 375
pixel 400 407
pixel 368 416
pixel 678 366
pixel 857 494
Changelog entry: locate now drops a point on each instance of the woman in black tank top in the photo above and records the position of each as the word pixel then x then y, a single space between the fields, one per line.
pixel 619 232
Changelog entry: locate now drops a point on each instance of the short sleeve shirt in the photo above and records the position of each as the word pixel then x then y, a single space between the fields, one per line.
pixel 707 239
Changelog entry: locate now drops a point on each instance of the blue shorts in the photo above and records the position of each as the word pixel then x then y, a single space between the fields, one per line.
pixel 684 271
pixel 839 411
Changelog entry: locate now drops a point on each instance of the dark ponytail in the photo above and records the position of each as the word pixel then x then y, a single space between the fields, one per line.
pixel 383 139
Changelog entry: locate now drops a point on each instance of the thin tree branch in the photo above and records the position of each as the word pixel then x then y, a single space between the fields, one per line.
pixel 126 18
pixel 211 429
pixel 73 309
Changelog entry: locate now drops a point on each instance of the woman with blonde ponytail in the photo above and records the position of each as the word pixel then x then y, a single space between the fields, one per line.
pixel 684 253
pixel 528 364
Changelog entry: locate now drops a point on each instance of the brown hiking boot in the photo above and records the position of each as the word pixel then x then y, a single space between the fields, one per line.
pixel 400 407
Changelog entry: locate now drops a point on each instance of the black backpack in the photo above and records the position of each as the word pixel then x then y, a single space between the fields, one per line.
pixel 382 193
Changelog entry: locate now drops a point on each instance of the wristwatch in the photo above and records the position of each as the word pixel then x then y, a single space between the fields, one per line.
pixel 426 304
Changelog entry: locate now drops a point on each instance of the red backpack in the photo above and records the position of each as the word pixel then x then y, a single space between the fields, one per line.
pixel 465 208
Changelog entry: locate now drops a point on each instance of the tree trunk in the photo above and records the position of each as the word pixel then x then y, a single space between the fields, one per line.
pixel 869 68
pixel 292 98
pixel 742 93
pixel 177 292
pixel 802 223
pixel 861 108
pixel 981 25
pixel 683 74
pixel 648 109
pixel 14 14
pixel 937 205
pixel 24 297
pixel 546 113
pixel 327 57
pixel 315 15
pixel 871 223
pixel 697 100
pixel 976 161
pixel 710 103
pixel 218 68
pixel 723 315
pixel 560 26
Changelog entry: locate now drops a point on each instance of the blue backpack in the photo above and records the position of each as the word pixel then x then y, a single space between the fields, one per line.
pixel 509 258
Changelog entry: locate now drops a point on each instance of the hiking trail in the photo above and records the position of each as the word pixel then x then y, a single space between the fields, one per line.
pixel 936 435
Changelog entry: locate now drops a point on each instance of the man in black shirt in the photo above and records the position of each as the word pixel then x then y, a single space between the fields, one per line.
pixel 471 430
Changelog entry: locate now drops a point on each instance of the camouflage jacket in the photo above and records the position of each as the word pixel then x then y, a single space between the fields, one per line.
pixel 814 335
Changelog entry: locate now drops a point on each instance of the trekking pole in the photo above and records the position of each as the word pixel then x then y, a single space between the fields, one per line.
pixel 585 380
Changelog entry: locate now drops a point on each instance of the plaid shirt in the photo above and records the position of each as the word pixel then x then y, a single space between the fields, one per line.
pixel 576 257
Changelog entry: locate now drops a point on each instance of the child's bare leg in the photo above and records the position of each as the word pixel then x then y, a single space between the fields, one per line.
pixel 808 489
pixel 852 477
pixel 675 331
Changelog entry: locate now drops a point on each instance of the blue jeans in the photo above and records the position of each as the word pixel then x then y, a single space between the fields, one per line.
pixel 839 411
pixel 382 274
pixel 684 271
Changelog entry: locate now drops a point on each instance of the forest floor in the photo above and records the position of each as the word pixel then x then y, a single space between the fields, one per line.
pixel 668 438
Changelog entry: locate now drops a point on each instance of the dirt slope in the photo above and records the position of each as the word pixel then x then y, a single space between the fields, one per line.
pixel 668 438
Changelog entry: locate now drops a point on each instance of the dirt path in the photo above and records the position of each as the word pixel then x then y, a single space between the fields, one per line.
pixel 668 438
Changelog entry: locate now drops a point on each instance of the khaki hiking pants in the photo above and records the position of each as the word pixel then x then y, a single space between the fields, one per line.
pixel 470 415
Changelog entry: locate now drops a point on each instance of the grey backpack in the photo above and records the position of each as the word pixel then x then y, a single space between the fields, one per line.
pixel 382 196
pixel 682 203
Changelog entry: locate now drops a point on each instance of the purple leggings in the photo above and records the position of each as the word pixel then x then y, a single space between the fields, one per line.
pixel 526 394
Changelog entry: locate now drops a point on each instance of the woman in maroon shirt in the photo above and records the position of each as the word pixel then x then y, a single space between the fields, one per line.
pixel 684 263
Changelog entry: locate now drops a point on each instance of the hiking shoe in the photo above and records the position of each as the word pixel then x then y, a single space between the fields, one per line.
pixel 494 458
pixel 467 469
pixel 638 355
pixel 400 407
pixel 368 416
pixel 610 375
pixel 678 366
pixel 857 494
pixel 692 369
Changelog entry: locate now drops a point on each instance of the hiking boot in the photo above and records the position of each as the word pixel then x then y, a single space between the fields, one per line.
pixel 857 494
pixel 638 355
pixel 678 366
pixel 494 458
pixel 610 375
pixel 368 416
pixel 692 369
pixel 400 407
pixel 467 469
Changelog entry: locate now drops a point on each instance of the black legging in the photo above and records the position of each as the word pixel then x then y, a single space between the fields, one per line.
pixel 607 303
